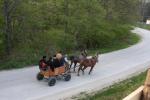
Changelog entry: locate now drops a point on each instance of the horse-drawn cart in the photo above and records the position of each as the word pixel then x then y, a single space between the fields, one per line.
pixel 52 76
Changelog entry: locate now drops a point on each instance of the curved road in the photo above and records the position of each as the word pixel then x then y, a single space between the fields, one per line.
pixel 21 84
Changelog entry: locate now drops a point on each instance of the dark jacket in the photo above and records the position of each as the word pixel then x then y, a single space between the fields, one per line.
pixel 42 64
pixel 58 63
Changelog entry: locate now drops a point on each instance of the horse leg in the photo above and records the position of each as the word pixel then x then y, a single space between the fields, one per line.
pixel 67 67
pixel 91 69
pixel 80 68
pixel 70 66
pixel 83 69
pixel 75 63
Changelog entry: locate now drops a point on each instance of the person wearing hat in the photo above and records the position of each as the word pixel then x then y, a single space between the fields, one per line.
pixel 62 58
pixel 58 61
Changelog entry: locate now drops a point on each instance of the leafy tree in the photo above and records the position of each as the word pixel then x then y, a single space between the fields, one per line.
pixel 31 26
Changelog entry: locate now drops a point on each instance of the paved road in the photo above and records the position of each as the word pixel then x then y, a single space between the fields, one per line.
pixel 21 84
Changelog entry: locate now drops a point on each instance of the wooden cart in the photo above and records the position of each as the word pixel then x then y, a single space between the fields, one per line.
pixel 52 76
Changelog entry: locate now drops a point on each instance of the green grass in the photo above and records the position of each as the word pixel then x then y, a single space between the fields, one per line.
pixel 142 25
pixel 29 57
pixel 118 44
pixel 117 91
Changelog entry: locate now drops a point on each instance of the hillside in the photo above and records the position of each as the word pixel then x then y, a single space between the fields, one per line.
pixel 32 28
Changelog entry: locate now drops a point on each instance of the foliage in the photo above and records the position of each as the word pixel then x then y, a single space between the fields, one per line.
pixel 41 27
pixel 31 56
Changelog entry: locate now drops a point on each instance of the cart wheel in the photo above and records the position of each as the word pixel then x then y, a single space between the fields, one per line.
pixel 51 81
pixel 39 76
pixel 67 77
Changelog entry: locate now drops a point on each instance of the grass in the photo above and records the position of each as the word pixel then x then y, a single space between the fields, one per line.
pixel 117 45
pixel 143 25
pixel 19 59
pixel 117 91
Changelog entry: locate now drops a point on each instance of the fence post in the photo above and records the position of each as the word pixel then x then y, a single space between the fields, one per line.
pixel 146 90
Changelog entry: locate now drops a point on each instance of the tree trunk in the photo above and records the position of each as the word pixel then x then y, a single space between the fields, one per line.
pixel 66 11
pixel 8 30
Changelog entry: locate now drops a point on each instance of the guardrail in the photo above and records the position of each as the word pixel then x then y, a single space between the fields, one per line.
pixel 136 95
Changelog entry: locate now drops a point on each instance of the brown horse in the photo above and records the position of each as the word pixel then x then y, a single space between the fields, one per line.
pixel 88 63
pixel 76 59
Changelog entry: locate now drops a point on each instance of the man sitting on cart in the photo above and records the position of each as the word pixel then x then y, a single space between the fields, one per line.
pixel 58 61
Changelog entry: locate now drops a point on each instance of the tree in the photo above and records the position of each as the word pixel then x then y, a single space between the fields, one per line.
pixel 9 6
pixel 74 22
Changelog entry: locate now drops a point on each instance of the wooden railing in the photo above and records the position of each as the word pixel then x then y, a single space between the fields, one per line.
pixel 143 92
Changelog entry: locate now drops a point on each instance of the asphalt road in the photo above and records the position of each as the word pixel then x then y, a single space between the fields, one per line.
pixel 21 84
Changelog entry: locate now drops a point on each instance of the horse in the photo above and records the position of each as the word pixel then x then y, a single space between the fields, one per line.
pixel 88 63
pixel 76 59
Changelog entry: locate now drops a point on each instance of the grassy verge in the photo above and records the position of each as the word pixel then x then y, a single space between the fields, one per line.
pixel 29 58
pixel 118 44
pixel 143 25
pixel 117 91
